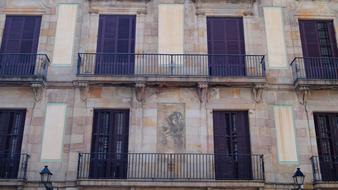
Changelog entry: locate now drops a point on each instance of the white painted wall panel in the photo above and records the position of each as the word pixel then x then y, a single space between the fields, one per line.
pixel 52 142
pixel 274 28
pixel 65 34
pixel 285 132
pixel 170 28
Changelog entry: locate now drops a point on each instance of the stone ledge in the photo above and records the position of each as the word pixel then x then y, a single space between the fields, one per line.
pixel 173 80
pixel 21 81
pixel 171 183
pixel 316 83
pixel 11 182
pixel 326 185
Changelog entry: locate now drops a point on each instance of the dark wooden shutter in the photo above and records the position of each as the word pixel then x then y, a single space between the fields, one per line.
pixel 318 40
pixel 11 131
pixel 21 34
pixel 232 145
pixel 116 45
pixel 326 125
pixel 309 38
pixel 109 144
pixel 19 45
pixel 225 38
pixel 333 39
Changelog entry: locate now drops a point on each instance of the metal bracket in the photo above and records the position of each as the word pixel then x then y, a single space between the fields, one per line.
pixel 257 93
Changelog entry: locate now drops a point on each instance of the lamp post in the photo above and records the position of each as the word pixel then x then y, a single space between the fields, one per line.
pixel 45 178
pixel 298 179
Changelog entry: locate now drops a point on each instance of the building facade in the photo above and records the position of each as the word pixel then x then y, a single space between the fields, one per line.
pixel 168 94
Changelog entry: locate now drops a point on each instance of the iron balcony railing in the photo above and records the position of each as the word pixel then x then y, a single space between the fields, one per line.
pixel 315 68
pixel 13 166
pixel 179 65
pixel 325 168
pixel 23 65
pixel 170 166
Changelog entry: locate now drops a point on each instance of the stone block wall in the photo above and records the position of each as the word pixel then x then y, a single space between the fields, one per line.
pixel 144 125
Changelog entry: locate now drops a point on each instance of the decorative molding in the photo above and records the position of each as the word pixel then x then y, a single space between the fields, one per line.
pixel 257 93
pixel 37 91
pixel 25 10
pixel 83 88
pixel 303 94
pixel 218 10
pixel 117 7
pixel 140 92
pixel 202 92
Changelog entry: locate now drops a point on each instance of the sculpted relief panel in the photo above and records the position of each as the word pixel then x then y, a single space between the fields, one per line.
pixel 171 128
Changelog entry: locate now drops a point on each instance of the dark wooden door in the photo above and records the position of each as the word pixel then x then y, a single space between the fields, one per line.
pixel 318 42
pixel 109 153
pixel 20 39
pixel 326 125
pixel 116 45
pixel 226 46
pixel 232 145
pixel 11 130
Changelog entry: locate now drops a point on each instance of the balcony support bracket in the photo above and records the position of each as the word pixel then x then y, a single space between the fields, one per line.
pixel 257 93
pixel 202 92
pixel 83 88
pixel 303 93
pixel 140 91
pixel 37 90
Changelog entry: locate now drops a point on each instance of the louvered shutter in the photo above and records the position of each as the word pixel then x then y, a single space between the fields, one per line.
pixel 222 149
pixel 243 144
pixel 116 39
pixel 226 36
pixel 309 38
pixel 110 144
pixel 333 39
pixel 11 127
pixel 21 34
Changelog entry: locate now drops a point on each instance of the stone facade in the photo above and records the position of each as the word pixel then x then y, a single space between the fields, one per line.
pixel 62 86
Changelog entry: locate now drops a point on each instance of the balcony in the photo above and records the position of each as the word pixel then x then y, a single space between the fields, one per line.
pixel 13 166
pixel 170 167
pixel 23 68
pixel 325 171
pixel 315 72
pixel 187 68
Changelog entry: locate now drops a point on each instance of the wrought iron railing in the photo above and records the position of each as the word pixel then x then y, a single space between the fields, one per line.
pixel 315 68
pixel 23 65
pixel 13 166
pixel 179 65
pixel 170 166
pixel 325 168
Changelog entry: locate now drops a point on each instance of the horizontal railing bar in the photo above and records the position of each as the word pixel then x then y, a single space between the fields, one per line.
pixel 324 168
pixel 153 64
pixel 313 68
pixel 13 166
pixel 183 166
pixel 24 65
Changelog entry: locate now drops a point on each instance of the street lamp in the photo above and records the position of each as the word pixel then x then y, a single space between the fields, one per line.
pixel 45 178
pixel 298 179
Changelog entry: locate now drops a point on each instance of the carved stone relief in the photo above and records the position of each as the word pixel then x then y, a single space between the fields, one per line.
pixel 171 128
